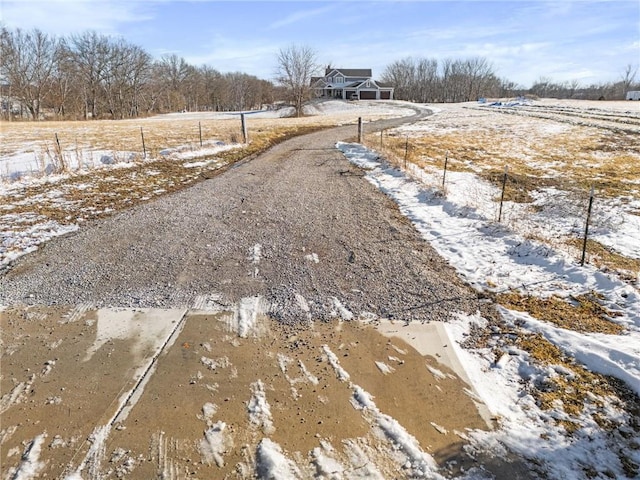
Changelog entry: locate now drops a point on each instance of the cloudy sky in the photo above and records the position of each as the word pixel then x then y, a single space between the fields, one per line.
pixel 585 40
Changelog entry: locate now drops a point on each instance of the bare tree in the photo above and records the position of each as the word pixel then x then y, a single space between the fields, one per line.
pixel 401 74
pixel 91 55
pixel 174 71
pixel 28 63
pixel 296 66
pixel 479 75
pixel 628 78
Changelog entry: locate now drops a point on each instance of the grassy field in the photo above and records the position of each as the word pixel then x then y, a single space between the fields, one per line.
pixel 565 148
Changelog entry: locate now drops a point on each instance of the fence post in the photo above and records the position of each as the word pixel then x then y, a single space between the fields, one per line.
pixel 59 147
pixel 586 227
pixel 200 130
pixel 359 129
pixel 381 133
pixel 62 166
pixel 144 148
pixel 406 151
pixel 504 184
pixel 243 123
pixel 444 174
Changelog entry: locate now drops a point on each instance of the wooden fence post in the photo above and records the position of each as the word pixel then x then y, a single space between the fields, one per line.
pixel 243 123
pixel 586 227
pixel 359 129
pixel 406 151
pixel 144 148
pixel 61 165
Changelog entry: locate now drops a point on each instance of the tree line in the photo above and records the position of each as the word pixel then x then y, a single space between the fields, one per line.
pixel 461 80
pixel 90 75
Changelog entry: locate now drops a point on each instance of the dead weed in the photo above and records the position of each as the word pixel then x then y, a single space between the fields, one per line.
pixel 583 313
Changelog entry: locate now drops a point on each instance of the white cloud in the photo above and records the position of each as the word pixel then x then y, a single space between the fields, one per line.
pixel 299 16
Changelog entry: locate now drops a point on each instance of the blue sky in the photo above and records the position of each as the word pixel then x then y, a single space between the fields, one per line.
pixel 585 40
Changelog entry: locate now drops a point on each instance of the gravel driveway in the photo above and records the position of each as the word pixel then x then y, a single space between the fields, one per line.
pixel 298 225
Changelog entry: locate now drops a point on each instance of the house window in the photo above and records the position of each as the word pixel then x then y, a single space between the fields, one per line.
pixel 339 80
pixel 329 79
pixel 368 84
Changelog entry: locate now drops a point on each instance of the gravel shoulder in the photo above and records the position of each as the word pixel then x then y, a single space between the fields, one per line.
pixel 297 225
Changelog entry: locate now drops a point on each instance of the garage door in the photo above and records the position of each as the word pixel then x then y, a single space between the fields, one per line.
pixel 367 95
pixel 385 95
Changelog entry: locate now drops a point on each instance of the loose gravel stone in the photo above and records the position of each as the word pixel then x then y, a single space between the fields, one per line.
pixel 297 225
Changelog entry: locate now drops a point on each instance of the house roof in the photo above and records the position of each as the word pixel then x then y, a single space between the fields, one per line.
pixel 350 72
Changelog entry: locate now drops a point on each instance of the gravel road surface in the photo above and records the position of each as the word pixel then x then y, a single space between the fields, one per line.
pixel 298 225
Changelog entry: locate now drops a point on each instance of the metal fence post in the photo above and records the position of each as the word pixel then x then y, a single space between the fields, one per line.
pixel 504 184
pixel 586 227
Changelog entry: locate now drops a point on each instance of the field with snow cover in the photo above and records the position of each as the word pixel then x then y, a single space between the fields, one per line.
pixel 560 367
pixel 561 322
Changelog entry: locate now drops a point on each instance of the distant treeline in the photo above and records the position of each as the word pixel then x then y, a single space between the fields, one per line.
pixel 91 75
pixel 460 80
pixel 95 76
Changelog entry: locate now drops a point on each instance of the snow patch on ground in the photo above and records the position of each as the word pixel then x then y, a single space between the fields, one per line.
pixel 272 462
pixel 215 444
pixel 524 428
pixel 31 465
pixel 492 257
pixel 147 328
pixel 419 463
pixel 342 374
pixel 245 319
pixel 259 409
pixel 384 368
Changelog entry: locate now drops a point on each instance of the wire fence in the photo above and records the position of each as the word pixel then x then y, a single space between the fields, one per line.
pixel 565 219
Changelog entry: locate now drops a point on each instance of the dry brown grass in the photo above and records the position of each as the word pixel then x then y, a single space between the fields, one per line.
pixel 604 258
pixel 98 193
pixel 574 391
pixel 583 313
pixel 540 153
pixel 571 157
pixel 165 131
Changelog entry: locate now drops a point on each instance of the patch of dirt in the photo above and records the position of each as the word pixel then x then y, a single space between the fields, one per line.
pixel 208 380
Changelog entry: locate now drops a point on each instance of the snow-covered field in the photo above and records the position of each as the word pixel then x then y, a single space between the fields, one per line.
pixel 521 254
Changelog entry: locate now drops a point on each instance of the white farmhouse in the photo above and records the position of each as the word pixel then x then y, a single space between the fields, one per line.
pixel 633 95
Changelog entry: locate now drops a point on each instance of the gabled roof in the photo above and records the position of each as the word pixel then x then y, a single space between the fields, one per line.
pixel 350 72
